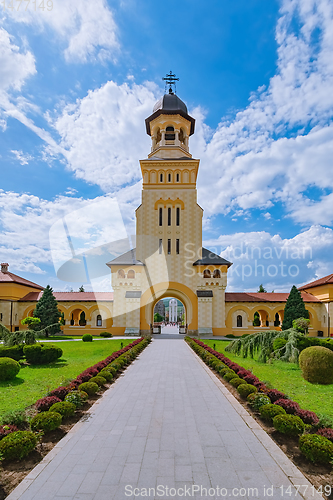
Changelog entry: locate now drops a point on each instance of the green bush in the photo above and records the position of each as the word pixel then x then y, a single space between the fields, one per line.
pixel 111 369
pixel 106 374
pixel 87 337
pixel 89 387
pixel 15 417
pixel 246 389
pixel 17 445
pixel 269 411
pixel 46 421
pixel 289 424
pixel 9 368
pixel 99 380
pixel 106 335
pixel 315 448
pixel 13 352
pixel 41 354
pixel 258 400
pixel 65 408
pixel 229 375
pixel 78 398
pixel 316 364
pixel 236 381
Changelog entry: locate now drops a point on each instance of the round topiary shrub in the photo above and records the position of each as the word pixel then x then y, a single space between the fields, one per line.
pixel 111 369
pixel 45 404
pixel 46 421
pixel 316 364
pixel 245 389
pixel 236 381
pixel 65 408
pixel 99 380
pixel 9 368
pixel 269 411
pixel 105 335
pixel 59 392
pixel 78 398
pixel 289 424
pixel 87 337
pixel 106 374
pixel 257 400
pixel 229 375
pixel 13 352
pixel 89 387
pixel 315 448
pixel 17 445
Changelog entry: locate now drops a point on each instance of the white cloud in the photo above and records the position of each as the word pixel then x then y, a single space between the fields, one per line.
pixel 21 157
pixel 103 135
pixel 260 257
pixel 87 28
pixel 16 66
pixel 26 222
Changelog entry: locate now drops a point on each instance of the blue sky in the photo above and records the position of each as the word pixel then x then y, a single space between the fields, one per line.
pixel 77 82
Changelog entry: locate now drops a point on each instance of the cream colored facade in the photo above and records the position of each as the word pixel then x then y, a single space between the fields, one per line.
pixel 169 260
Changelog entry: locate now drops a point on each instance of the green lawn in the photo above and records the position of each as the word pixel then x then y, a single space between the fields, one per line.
pixel 33 382
pixel 285 377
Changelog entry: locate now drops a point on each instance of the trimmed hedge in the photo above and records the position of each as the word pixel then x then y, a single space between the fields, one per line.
pixel 89 387
pixel 315 448
pixel 17 445
pixel 87 337
pixel 64 408
pixel 13 352
pixel 42 354
pixel 46 421
pixel 289 424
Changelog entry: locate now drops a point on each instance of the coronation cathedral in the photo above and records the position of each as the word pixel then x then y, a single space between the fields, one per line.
pixel 169 259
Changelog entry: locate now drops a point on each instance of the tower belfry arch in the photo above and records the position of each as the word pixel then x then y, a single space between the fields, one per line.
pixel 169 259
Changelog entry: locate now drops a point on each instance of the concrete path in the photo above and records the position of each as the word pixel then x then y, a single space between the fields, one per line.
pixel 169 423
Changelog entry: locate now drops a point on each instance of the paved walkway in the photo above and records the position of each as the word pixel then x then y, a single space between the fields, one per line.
pixel 167 421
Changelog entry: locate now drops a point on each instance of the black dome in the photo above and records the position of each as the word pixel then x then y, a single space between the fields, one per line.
pixel 170 102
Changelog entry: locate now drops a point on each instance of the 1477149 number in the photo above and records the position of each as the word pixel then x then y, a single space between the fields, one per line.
pixel 303 488
pixel 27 4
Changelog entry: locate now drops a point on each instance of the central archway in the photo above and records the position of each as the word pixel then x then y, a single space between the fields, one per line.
pixel 169 316
pixel 177 291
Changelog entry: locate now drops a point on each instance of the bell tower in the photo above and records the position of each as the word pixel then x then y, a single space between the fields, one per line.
pixel 169 260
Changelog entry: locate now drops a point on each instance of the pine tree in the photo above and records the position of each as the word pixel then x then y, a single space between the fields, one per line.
pixel 81 289
pixel 262 289
pixel 48 313
pixel 294 309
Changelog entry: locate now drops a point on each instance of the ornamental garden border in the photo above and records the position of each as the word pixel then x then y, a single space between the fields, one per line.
pixel 280 417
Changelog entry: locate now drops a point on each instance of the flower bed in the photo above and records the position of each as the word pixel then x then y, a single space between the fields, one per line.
pixel 112 364
pixel 253 390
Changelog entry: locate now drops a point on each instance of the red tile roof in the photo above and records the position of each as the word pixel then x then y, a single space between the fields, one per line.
pixel 71 296
pixel 321 281
pixel 264 297
pixel 13 278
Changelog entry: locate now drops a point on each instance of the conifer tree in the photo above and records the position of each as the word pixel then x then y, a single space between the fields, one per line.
pixel 294 309
pixel 48 313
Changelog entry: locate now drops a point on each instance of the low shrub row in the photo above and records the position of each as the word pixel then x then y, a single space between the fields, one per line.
pixel 315 443
pixel 62 402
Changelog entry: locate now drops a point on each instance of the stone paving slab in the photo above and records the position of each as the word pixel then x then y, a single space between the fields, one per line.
pixel 167 422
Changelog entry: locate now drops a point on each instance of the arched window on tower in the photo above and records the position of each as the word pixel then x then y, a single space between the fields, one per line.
pixel 170 134
pixel 99 320
pixel 131 274
pixel 121 273
pixel 217 273
pixel 169 216
pixel 239 321
pixel 160 216
pixel 177 216
pixel 206 273
pixel 161 177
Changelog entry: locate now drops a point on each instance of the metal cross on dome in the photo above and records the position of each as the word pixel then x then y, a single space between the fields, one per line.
pixel 170 80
